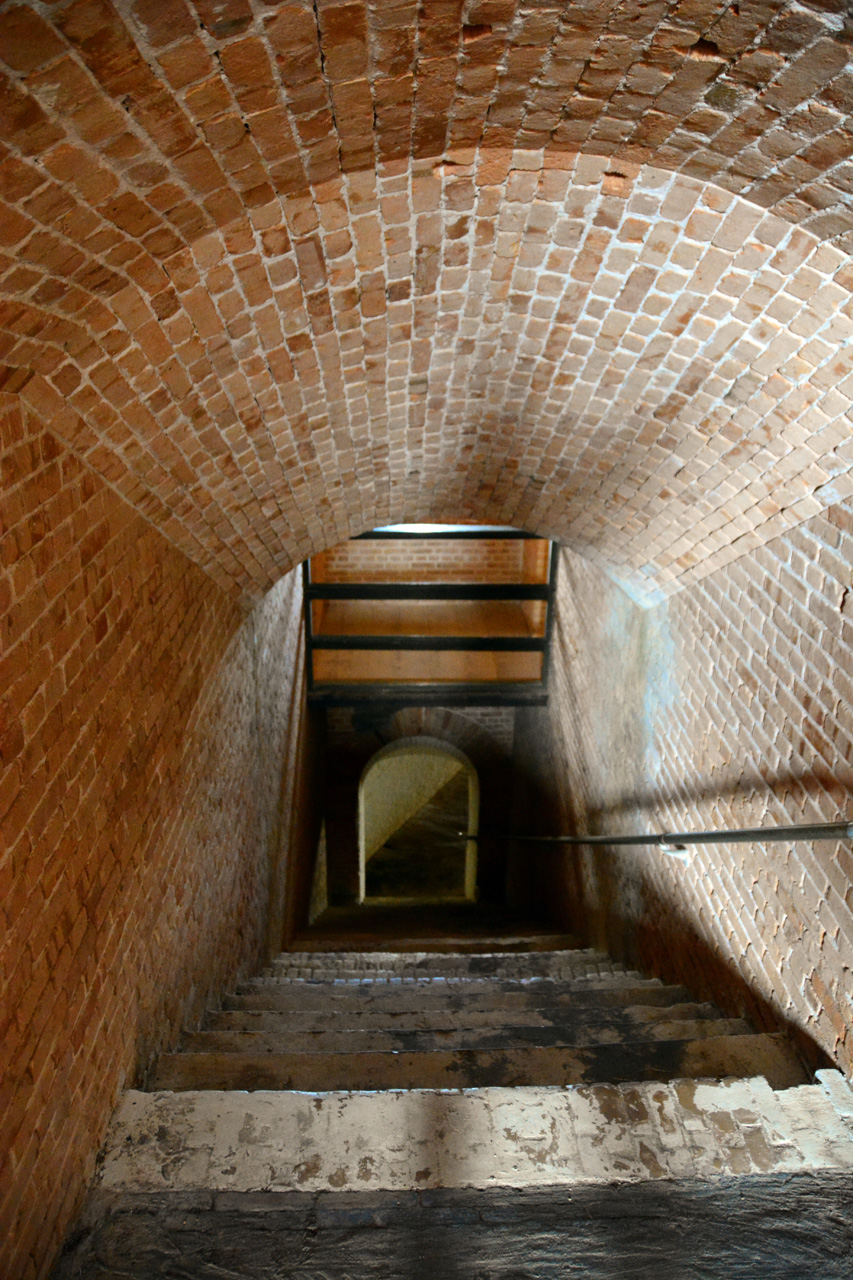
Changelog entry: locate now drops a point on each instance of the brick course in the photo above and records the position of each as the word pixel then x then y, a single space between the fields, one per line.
pixel 431 560
pixel 143 736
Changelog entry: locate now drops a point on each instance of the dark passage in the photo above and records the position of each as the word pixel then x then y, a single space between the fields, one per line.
pixel 425 858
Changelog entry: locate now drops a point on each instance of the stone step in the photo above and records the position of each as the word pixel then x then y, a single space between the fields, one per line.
pixel 487 1137
pixel 816 1120
pixel 392 953
pixel 474 994
pixel 349 966
pixel 839 1090
pixel 310 1022
pixel 312 944
pixel 603 1032
pixel 716 1057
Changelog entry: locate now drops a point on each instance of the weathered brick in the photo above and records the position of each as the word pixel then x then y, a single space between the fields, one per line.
pixel 160 712
pixel 709 735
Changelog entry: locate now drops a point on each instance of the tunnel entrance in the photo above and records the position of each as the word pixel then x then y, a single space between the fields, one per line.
pixel 418 818
pixel 422 643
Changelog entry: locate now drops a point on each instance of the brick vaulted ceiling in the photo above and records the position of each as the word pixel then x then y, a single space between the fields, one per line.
pixel 281 272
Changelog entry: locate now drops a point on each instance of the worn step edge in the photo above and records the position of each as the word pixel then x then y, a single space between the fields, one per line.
pixel 457 944
pixel 371 955
pixel 423 978
pixel 814 1118
pixel 496 969
pixel 717 1057
pixel 839 1090
pixel 359 957
pixel 306 1022
pixel 306 990
pixel 500 1003
pixel 395 961
pixel 496 1039
pixel 414 1140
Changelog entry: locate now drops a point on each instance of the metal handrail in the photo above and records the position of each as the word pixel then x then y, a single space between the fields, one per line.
pixel 680 839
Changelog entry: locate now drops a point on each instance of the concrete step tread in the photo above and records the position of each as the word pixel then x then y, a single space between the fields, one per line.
pixel 486 992
pixel 361 956
pixel 520 961
pixel 487 1137
pixel 764 1054
pixel 821 1131
pixel 495 996
pixel 449 968
pixel 839 1090
pixel 439 945
pixel 498 1039
pixel 304 1022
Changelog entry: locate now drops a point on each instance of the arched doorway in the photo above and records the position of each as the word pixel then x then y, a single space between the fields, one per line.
pixel 418 817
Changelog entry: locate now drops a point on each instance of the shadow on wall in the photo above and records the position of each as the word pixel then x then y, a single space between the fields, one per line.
pixel 540 881
pixel 591 894
pixel 598 760
pixel 649 931
pixel 755 785
pixel 665 944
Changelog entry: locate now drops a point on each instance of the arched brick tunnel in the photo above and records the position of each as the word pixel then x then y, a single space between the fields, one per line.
pixel 274 274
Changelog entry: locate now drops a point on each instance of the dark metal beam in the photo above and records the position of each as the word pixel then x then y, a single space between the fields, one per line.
pixel 482 694
pixel 496 644
pixel 306 610
pixel 481 535
pixel 426 591
pixel 740 835
pixel 550 608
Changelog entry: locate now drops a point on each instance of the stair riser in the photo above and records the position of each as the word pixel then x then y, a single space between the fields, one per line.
pixel 716 1058
pixel 456 997
pixel 452 944
pixel 299 1023
pixel 500 1040
pixel 517 962
pixel 518 954
pixel 780 1226
pixel 472 967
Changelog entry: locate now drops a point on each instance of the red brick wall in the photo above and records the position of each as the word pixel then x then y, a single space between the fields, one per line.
pixel 427 560
pixel 728 706
pixel 139 806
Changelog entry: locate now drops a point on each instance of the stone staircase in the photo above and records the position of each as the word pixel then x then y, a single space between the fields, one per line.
pixel 356 1113
pixel 358 1021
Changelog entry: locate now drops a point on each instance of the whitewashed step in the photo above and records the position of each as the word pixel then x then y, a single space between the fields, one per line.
pixel 415 1140
pixel 821 1133
pixel 839 1090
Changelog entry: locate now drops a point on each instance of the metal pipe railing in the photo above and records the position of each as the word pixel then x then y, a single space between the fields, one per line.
pixel 681 839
